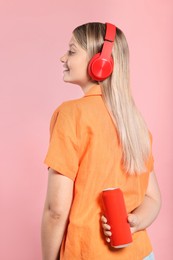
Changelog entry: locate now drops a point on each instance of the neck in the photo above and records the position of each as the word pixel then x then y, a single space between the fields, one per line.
pixel 85 88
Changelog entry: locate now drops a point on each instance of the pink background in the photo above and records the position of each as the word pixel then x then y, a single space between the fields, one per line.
pixel 34 34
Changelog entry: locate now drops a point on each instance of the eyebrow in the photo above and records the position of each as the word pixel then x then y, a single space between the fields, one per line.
pixel 72 44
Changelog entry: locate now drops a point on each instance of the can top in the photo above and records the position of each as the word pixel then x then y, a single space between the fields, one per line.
pixel 115 188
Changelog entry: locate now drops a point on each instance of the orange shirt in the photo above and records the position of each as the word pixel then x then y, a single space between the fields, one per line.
pixel 84 147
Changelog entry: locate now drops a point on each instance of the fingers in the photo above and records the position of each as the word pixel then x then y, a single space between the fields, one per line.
pixel 106 229
pixel 108 239
pixel 105 226
pixel 103 219
pixel 107 233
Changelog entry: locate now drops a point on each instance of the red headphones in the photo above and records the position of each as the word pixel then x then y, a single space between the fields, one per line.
pixel 101 65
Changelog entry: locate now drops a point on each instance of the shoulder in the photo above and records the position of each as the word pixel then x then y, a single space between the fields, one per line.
pixel 78 111
pixel 86 106
pixel 69 109
pixel 69 106
pixel 73 107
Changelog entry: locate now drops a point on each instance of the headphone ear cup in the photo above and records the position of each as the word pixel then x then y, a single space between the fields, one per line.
pixel 100 68
pixel 90 65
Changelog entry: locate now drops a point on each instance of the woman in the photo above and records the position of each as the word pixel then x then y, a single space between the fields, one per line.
pixel 96 142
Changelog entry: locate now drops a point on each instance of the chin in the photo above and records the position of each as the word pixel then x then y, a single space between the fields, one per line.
pixel 67 80
pixel 70 81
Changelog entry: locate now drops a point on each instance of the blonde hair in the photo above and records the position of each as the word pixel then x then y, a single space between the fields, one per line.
pixel 132 130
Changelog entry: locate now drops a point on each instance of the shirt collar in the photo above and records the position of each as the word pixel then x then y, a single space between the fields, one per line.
pixel 95 90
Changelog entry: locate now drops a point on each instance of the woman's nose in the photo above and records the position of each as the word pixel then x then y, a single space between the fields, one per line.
pixel 63 58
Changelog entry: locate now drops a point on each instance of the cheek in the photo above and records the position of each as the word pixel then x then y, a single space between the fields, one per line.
pixel 83 61
pixel 78 64
pixel 84 64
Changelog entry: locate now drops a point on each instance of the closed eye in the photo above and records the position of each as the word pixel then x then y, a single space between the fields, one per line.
pixel 70 52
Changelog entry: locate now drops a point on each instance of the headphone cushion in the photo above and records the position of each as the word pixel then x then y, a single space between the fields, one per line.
pixel 100 68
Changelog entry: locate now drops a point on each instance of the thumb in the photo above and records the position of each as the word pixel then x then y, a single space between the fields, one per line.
pixel 133 220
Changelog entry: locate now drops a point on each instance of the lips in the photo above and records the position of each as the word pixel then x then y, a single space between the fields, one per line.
pixel 66 68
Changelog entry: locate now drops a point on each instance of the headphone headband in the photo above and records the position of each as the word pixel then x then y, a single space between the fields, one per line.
pixel 108 40
pixel 110 32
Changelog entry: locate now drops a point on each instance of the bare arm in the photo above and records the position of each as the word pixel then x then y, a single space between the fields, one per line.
pixel 143 216
pixel 55 214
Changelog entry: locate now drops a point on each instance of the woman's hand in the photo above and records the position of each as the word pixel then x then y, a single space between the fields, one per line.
pixel 106 229
pixel 132 219
pixel 134 222
pixel 144 215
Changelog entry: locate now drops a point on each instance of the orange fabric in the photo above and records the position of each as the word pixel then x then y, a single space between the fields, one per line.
pixel 84 147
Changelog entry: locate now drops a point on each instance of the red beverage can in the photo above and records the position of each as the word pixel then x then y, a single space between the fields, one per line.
pixel 116 214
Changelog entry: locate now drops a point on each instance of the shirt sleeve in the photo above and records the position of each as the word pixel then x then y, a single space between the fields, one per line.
pixel 62 154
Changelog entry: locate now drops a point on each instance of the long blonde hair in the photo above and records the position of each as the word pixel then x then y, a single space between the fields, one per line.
pixel 132 130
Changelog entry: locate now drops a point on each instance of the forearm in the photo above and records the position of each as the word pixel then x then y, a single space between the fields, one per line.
pixel 52 231
pixel 146 213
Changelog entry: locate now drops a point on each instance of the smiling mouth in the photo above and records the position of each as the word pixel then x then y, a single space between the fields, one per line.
pixel 66 68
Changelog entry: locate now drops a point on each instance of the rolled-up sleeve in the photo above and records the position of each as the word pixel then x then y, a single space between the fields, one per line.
pixel 62 154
